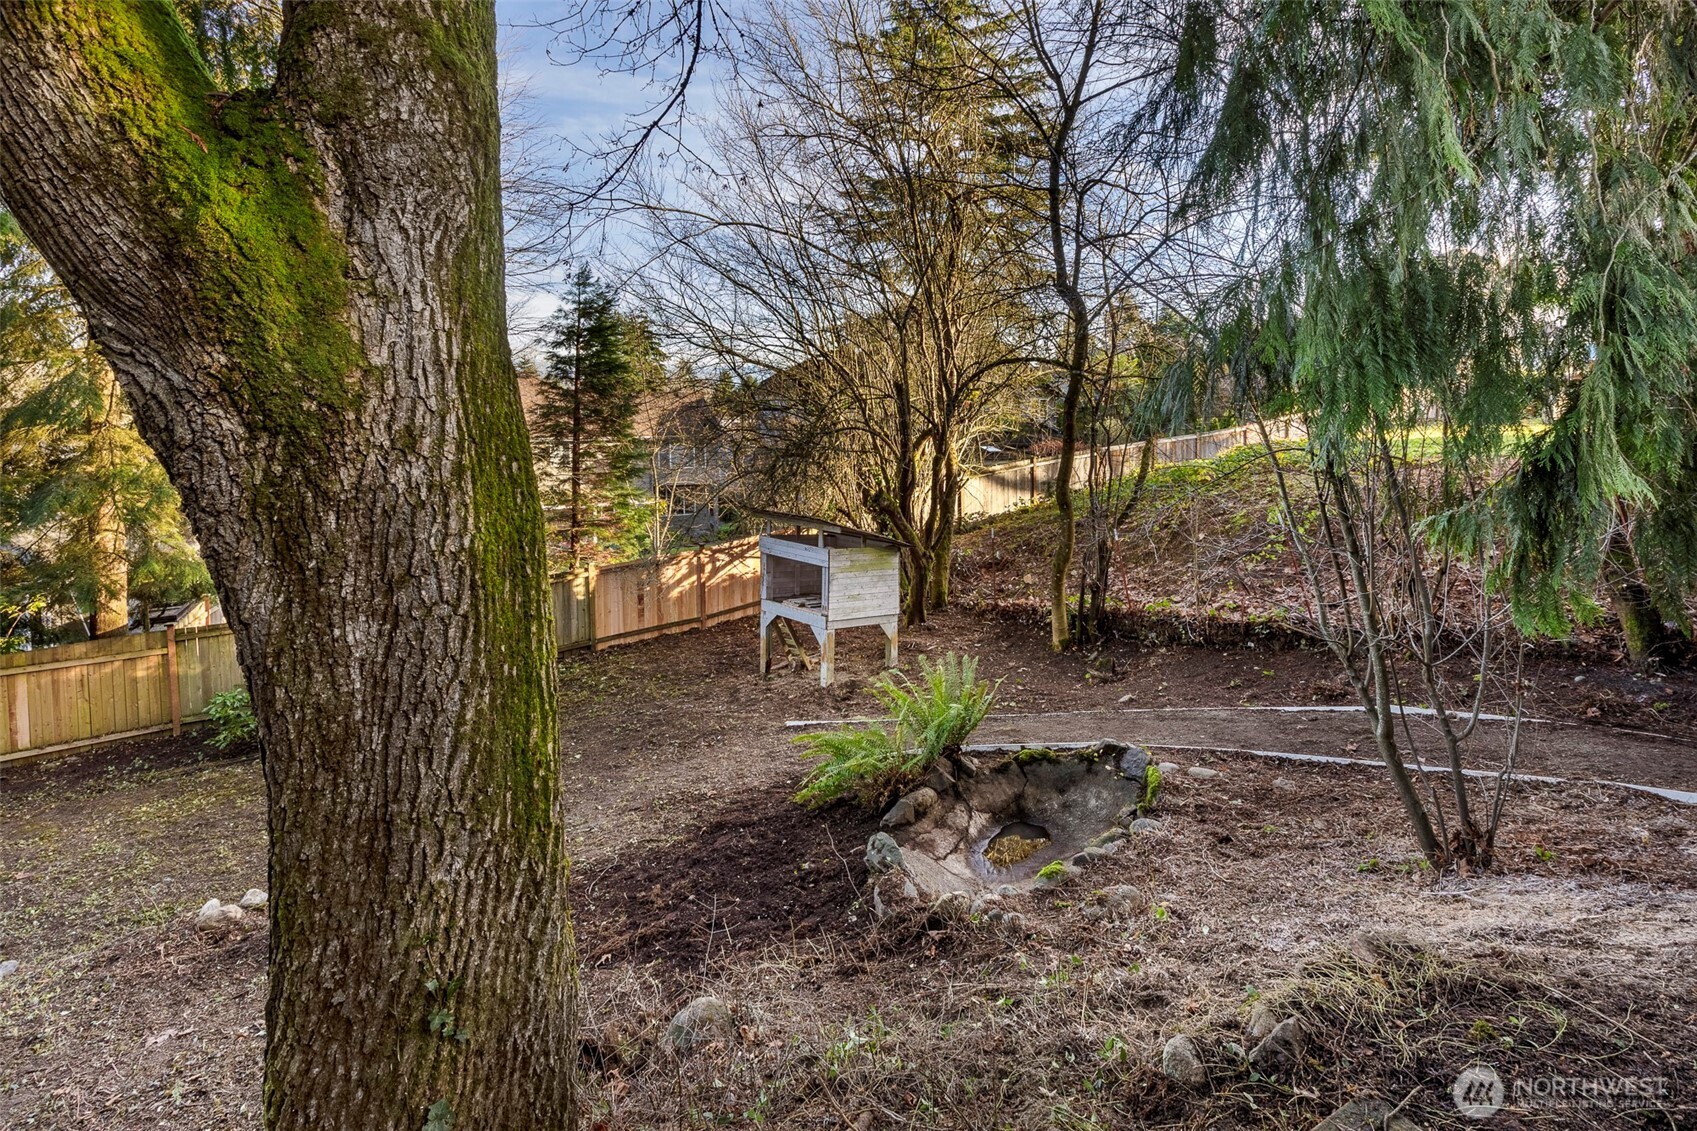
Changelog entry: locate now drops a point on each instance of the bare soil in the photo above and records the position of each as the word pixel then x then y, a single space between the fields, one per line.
pixel 1287 883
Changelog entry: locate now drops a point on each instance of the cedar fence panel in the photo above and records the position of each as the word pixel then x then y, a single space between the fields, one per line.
pixel 1010 486
pixel 76 695
pixel 641 600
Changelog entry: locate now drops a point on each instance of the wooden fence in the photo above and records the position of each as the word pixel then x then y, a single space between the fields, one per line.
pixel 61 699
pixel 1010 486
pixel 639 600
pixel 57 700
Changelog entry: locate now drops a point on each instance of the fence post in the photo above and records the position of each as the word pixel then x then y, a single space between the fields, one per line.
pixel 171 680
pixel 700 590
pixel 589 588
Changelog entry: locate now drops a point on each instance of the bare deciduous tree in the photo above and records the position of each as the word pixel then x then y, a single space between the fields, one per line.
pixel 857 268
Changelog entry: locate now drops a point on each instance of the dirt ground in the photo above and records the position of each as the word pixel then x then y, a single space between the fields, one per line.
pixel 1290 884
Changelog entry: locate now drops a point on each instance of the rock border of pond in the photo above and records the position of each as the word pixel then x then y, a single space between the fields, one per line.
pixel 1089 799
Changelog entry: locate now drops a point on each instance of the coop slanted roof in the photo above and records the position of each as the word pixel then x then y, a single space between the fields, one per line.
pixel 813 523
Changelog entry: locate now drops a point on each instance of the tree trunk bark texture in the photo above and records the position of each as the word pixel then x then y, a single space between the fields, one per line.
pixel 1066 540
pixel 1640 619
pixel 301 292
pixel 111 572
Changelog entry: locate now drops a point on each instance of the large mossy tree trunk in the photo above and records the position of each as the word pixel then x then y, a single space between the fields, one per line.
pixel 301 292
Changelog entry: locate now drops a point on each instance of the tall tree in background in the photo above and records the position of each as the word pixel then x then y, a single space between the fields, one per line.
pixel 1095 193
pixel 600 362
pixel 87 516
pixel 300 291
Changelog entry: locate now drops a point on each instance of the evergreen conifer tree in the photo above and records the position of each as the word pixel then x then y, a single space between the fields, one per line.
pixel 88 519
pixel 599 364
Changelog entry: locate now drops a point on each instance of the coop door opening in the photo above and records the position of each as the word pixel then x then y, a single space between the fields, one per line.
pixel 796 583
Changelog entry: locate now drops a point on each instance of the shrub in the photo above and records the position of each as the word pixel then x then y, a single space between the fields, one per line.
pixel 929 717
pixel 233 721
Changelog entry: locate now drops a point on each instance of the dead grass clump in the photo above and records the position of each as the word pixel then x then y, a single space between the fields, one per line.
pixel 1395 1020
pixel 967 1025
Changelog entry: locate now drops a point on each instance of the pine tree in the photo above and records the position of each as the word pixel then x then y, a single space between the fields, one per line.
pixel 88 519
pixel 600 362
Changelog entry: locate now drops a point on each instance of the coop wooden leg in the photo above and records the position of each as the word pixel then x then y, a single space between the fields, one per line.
pixel 765 648
pixel 889 646
pixel 828 658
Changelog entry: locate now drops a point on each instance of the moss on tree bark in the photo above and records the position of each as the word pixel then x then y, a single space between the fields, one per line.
pixel 301 292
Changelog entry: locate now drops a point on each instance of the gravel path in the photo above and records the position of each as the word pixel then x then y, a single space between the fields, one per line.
pixel 1561 749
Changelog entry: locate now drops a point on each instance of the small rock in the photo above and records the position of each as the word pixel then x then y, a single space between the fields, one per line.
pixel 910 808
pixel 1168 769
pixel 1180 1061
pixel 1126 698
pixel 1146 825
pixel 1262 1021
pixel 1124 899
pixel 1202 772
pixel 952 906
pixel 892 890
pixel 701 1022
pixel 1112 836
pixel 1233 1052
pixel 215 916
pixel 1057 877
pixel 985 902
pixel 1005 890
pixel 1285 784
pixel 1013 920
pixel 941 779
pixel 1366 1115
pixel 1085 857
pixel 251 900
pixel 1282 1048
pixel 1134 763
pixel 883 854
pixel 8 968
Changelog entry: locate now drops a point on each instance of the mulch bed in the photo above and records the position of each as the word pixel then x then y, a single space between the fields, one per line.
pixel 768 870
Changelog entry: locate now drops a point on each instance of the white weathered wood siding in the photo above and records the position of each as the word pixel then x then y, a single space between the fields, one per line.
pixel 866 582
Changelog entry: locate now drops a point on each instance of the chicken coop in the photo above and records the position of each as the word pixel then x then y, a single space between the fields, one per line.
pixel 827 577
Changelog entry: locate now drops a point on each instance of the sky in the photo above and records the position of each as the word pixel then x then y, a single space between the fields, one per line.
pixel 574 104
